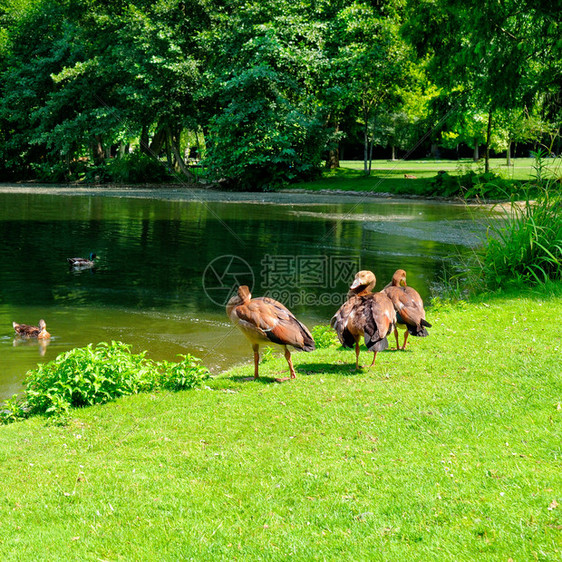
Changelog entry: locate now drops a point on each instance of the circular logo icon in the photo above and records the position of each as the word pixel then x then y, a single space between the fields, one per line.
pixel 224 275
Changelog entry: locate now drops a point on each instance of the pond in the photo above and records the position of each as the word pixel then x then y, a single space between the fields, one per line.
pixel 169 258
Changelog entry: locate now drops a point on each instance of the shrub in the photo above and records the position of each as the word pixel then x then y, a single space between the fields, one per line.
pixel 50 172
pixel 471 185
pixel 86 376
pixel 97 174
pixel 184 375
pixel 525 246
pixel 137 168
pixel 324 337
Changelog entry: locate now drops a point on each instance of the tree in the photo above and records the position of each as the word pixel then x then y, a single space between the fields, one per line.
pixel 500 54
pixel 265 128
pixel 372 57
pixel 81 77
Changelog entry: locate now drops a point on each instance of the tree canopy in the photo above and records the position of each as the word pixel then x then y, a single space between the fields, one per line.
pixel 262 93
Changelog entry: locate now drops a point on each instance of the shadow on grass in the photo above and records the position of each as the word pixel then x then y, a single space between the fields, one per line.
pixel 261 379
pixel 328 369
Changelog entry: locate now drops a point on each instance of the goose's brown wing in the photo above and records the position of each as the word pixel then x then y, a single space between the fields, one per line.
pixel 347 321
pixel 379 320
pixel 409 309
pixel 266 319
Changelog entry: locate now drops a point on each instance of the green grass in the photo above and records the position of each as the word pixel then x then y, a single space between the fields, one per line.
pixel 387 176
pixel 451 450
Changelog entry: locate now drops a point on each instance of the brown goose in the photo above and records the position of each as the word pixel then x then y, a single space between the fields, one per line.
pixel 408 304
pixel 366 314
pixel 266 321
pixel 26 331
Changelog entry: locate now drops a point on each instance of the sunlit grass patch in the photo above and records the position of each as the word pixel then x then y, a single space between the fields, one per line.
pixel 448 450
pixel 414 177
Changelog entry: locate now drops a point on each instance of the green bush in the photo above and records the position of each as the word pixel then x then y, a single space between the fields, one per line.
pixel 473 185
pixel 129 169
pixel 137 168
pixel 97 174
pixel 324 337
pixel 96 375
pixel 51 172
pixel 59 172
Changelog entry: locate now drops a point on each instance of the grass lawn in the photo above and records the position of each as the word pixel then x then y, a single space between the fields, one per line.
pixel 450 450
pixel 388 176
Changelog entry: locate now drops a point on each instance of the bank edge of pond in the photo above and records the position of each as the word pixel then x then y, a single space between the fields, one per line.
pixel 298 196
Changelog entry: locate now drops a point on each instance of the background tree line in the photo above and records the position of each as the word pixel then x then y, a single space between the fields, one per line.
pixel 264 92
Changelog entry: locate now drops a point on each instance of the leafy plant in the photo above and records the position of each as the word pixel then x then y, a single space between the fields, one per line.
pixel 96 375
pixel 50 172
pixel 137 168
pixel 97 174
pixel 324 337
pixel 473 185
pixel 12 410
pixel 184 375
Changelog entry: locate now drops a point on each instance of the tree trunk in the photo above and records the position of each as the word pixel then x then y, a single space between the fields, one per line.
pixel 168 146
pixel 365 149
pixel 434 151
pixel 144 143
pixel 393 153
pixel 157 142
pixel 98 152
pixel 488 137
pixel 508 153
pixel 174 145
pixel 475 155
pixel 333 159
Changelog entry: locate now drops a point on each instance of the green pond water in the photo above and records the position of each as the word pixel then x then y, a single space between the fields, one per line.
pixel 170 258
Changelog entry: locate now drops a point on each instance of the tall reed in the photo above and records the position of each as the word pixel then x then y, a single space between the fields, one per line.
pixel 524 246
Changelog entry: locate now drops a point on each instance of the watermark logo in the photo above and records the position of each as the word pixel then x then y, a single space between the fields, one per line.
pixel 306 280
pixel 297 272
pixel 224 275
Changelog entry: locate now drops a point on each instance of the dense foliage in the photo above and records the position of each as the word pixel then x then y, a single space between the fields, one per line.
pixel 96 375
pixel 260 93
pixel 523 243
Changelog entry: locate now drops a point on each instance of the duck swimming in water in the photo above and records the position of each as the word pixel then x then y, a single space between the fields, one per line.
pixel 82 263
pixel 25 331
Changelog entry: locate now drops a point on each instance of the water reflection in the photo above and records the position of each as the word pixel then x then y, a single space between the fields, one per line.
pixel 41 345
pixel 150 285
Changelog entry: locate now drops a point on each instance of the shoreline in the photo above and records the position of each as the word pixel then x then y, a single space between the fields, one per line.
pixel 176 192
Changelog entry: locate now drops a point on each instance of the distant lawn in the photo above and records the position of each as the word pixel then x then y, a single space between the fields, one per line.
pixel 387 176
pixel 451 450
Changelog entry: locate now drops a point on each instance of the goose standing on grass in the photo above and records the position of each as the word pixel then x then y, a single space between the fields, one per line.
pixel 366 314
pixel 266 321
pixel 408 304
pixel 82 263
pixel 25 331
